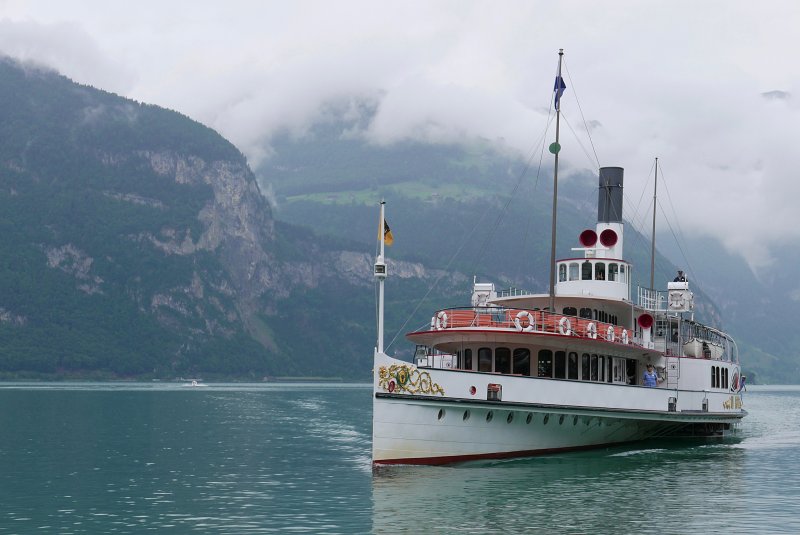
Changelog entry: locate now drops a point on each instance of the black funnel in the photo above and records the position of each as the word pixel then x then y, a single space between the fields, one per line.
pixel 609 202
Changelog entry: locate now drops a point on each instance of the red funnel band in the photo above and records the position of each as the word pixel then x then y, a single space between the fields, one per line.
pixel 588 238
pixel 608 238
pixel 645 321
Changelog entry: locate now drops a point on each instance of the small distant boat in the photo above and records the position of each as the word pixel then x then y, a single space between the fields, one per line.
pixel 195 383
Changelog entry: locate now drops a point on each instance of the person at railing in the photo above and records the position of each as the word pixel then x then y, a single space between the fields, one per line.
pixel 650 377
pixel 680 277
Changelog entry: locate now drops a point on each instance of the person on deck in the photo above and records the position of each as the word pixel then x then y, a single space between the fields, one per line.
pixel 680 278
pixel 649 377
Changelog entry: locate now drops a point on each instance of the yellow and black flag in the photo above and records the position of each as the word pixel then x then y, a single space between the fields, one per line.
pixel 388 239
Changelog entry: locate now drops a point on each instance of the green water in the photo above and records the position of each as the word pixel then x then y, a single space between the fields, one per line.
pixel 105 458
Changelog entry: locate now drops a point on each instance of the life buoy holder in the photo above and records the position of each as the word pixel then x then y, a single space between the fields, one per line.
pixel 564 326
pixel 625 337
pixel 518 321
pixel 591 330
pixel 610 335
pixel 441 320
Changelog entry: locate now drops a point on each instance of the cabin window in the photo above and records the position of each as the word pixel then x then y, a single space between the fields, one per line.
pixel 573 271
pixel 713 377
pixel 586 271
pixel 593 375
pixel 725 378
pixel 600 271
pixel 585 367
pixel 562 272
pixel 630 370
pixel 601 368
pixel 570 311
pixel 467 365
pixel 586 313
pixel 619 375
pixel 572 366
pixel 545 366
pixel 522 361
pixel 609 369
pixel 502 360
pixel 484 359
pixel 622 277
pixel 561 365
pixel 613 270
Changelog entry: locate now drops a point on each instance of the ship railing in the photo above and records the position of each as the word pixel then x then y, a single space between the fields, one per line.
pixel 653 300
pixel 530 321
pixel 513 292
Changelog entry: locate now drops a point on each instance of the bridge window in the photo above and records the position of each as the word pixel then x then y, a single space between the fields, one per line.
pixel 502 360
pixel 600 271
pixel 562 272
pixel 572 366
pixel 561 365
pixel 586 313
pixel 522 361
pixel 586 271
pixel 545 366
pixel 484 359
pixel 570 311
pixel 573 271
pixel 613 272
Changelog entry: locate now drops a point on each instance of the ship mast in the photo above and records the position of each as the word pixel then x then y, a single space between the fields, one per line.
pixel 555 148
pixel 653 237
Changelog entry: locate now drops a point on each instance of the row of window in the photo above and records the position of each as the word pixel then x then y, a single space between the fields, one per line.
pixel 556 365
pixel 719 377
pixel 591 314
pixel 587 271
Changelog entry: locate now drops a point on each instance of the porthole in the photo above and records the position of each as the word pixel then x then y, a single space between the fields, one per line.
pixel 466 415
pixel 529 418
pixel 441 414
pixel 489 416
pixel 546 419
pixel 510 417
pixel 561 420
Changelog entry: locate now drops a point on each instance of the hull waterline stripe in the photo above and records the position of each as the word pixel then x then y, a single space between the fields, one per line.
pixel 450 459
pixel 692 415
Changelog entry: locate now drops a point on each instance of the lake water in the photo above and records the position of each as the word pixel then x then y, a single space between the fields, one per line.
pixel 110 458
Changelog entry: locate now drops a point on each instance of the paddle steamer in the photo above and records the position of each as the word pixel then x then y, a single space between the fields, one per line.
pixel 516 374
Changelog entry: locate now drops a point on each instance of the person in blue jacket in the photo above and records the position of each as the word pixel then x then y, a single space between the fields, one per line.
pixel 649 377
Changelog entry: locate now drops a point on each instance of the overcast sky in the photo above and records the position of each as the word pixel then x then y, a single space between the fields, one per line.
pixel 710 87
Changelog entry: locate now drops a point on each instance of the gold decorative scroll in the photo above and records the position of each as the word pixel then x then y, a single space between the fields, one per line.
pixel 404 378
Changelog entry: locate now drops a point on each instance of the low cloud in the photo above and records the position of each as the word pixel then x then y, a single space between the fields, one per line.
pixel 448 72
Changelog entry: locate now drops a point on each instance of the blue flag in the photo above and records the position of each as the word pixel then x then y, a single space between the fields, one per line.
pixel 559 88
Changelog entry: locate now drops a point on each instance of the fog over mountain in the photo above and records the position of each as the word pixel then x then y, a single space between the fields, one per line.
pixel 708 87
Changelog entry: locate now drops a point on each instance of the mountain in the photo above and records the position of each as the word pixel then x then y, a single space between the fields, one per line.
pixel 486 212
pixel 135 243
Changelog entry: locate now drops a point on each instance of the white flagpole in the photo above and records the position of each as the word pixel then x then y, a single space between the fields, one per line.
pixel 380 273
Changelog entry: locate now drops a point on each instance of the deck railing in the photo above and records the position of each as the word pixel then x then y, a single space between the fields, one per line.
pixel 538 321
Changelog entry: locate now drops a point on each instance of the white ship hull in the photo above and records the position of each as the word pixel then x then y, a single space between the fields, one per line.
pixel 444 423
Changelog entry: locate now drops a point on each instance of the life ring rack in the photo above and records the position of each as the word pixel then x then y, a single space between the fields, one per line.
pixel 518 321
pixel 441 320
pixel 564 326
pixel 591 330
pixel 610 335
